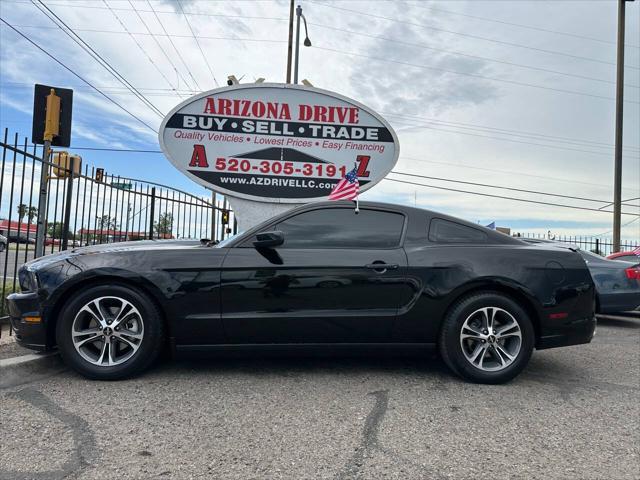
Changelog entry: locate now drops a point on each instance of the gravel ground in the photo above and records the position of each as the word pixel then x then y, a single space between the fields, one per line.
pixel 574 413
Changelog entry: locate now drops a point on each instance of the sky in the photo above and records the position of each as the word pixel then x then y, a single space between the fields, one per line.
pixel 513 94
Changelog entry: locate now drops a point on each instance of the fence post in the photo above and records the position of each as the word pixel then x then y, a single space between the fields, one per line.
pixel 213 217
pixel 67 206
pixel 152 212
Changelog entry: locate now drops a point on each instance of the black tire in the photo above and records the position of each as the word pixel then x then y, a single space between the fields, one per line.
pixel 149 347
pixel 2 246
pixel 450 339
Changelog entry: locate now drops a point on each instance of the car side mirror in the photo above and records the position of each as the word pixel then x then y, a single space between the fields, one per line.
pixel 269 239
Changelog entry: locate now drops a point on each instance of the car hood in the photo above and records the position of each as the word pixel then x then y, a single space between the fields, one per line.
pixel 143 245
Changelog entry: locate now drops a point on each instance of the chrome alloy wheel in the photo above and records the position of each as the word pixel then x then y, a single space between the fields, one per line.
pixel 490 339
pixel 107 331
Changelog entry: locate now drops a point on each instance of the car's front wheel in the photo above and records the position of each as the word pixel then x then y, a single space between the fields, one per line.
pixel 487 337
pixel 109 332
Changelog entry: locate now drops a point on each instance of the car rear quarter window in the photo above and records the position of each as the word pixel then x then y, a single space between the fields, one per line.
pixel 342 228
pixel 446 231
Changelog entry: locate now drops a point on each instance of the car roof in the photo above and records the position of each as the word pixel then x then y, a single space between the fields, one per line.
pixel 414 212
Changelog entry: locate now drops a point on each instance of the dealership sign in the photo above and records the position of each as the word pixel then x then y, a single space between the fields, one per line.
pixel 277 142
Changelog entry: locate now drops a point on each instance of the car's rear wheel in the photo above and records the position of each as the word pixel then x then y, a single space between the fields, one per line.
pixel 487 337
pixel 109 332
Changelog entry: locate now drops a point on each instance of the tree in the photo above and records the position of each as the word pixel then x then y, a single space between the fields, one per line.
pixel 105 222
pixel 22 211
pixel 164 225
pixel 31 214
pixel 54 230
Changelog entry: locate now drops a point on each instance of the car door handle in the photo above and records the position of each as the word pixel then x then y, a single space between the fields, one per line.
pixel 381 267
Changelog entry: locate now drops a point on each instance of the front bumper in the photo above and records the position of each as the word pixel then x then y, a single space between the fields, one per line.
pixel 574 332
pixel 29 334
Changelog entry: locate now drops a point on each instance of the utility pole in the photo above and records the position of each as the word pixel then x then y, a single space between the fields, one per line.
pixel 617 172
pixel 290 48
pixel 51 129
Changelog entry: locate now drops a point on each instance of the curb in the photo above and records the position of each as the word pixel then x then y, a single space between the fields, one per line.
pixel 17 371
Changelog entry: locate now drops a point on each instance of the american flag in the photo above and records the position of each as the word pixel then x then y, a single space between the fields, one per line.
pixel 347 188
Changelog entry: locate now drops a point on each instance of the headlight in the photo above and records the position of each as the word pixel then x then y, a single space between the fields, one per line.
pixel 28 280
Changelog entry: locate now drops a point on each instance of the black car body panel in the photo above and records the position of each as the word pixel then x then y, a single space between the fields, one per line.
pixel 393 287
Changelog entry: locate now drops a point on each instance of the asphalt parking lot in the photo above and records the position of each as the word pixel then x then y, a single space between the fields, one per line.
pixel 573 413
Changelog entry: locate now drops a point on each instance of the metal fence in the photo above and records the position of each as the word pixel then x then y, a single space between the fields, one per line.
pixel 84 210
pixel 601 246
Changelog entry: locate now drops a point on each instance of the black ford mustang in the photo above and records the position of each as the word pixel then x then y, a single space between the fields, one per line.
pixel 317 276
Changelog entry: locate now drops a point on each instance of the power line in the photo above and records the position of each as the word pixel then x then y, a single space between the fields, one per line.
pixel 195 82
pixel 519 25
pixel 75 74
pixel 476 37
pixel 443 179
pixel 453 52
pixel 140 47
pixel 520 133
pixel 503 197
pixel 474 75
pixel 413 125
pixel 435 121
pixel 95 55
pixel 179 75
pixel 197 41
pixel 191 14
pixel 128 150
pixel 536 192
pixel 508 172
pixel 168 35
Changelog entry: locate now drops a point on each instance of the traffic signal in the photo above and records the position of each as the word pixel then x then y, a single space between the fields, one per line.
pixel 225 217
pixel 99 175
pixel 62 163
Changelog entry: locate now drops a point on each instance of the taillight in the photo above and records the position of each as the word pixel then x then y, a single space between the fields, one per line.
pixel 633 273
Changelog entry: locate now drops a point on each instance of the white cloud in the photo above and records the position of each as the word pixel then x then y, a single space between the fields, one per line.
pixel 393 88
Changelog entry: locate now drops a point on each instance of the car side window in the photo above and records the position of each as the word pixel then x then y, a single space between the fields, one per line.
pixel 342 228
pixel 446 231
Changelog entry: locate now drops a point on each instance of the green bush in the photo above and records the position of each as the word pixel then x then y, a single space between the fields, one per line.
pixel 8 289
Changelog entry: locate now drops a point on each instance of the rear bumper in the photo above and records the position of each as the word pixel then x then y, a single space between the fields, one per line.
pixel 29 334
pixel 574 332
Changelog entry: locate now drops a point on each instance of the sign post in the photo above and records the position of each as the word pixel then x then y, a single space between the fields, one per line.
pixel 51 126
pixel 270 147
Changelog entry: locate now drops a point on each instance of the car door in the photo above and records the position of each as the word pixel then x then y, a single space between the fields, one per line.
pixel 337 278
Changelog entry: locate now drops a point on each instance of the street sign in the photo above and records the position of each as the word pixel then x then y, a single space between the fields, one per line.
pixel 277 143
pixel 122 186
pixel 46 119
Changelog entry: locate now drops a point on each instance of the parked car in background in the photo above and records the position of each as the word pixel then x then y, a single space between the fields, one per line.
pixel 320 276
pixel 617 281
pixel 632 256
pixel 3 243
pixel 22 237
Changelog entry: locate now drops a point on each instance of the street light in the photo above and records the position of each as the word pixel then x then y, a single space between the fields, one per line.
pixel 307 42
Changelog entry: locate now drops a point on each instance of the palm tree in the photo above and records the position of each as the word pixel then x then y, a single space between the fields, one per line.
pixel 22 211
pixel 31 214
